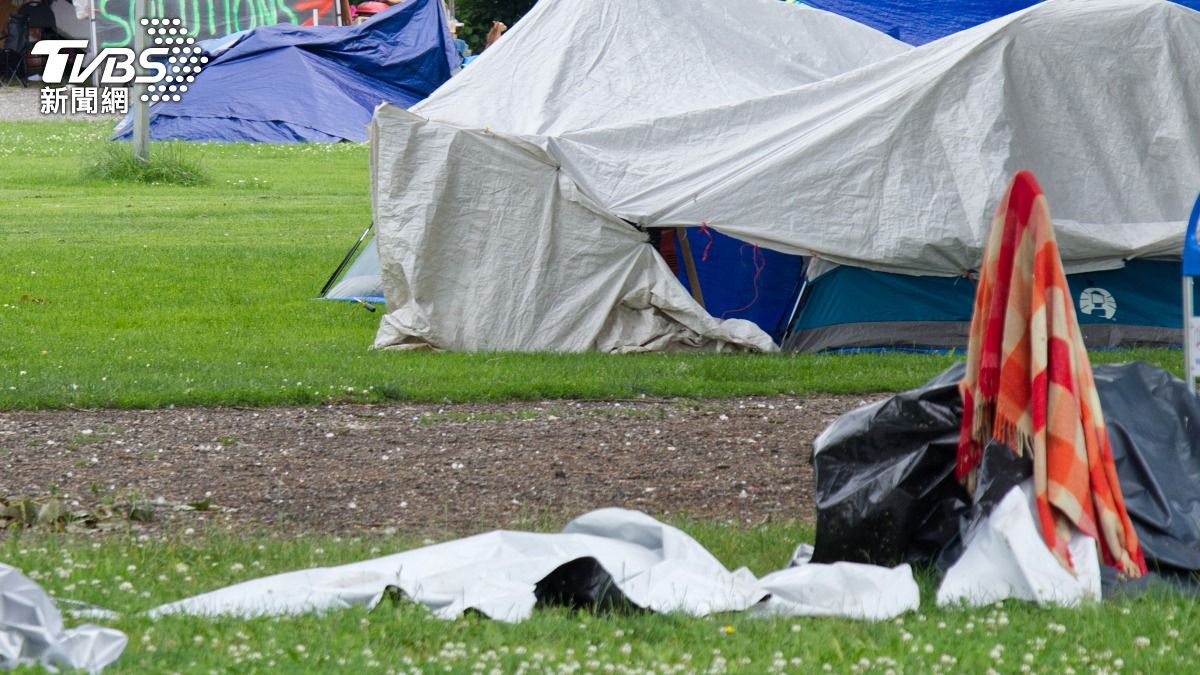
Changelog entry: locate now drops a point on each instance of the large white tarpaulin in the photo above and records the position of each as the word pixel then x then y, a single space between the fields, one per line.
pixel 895 165
pixel 485 243
pixel 577 64
pixel 898 166
pixel 544 271
pixel 505 574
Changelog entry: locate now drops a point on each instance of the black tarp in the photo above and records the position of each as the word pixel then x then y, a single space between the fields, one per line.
pixel 886 491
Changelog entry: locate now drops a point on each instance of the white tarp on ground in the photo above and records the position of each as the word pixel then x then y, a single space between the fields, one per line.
pixel 655 566
pixel 32 631
pixel 485 244
pixel 1006 557
pixel 895 166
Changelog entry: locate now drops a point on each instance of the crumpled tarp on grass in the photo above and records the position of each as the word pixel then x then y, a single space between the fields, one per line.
pixel 610 558
pixel 32 631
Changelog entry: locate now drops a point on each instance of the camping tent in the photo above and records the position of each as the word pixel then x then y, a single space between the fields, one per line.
pixel 579 66
pixel 894 167
pixel 287 83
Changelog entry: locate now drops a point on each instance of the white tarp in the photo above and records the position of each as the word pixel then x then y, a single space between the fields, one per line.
pixel 655 566
pixel 548 272
pixel 1006 557
pixel 898 166
pixel 894 166
pixel 485 244
pixel 32 631
pixel 579 64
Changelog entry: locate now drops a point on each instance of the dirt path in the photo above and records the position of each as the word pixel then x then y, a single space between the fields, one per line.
pixel 460 468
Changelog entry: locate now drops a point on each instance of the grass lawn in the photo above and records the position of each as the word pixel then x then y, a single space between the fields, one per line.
pixel 1149 634
pixel 128 295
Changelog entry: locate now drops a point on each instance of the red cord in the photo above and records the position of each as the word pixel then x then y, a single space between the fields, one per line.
pixel 760 263
pixel 704 229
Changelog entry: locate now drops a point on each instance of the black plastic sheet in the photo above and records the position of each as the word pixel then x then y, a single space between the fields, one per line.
pixel 886 491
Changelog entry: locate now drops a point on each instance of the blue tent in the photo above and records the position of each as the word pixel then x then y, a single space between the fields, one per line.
pixel 852 307
pixel 919 22
pixel 285 83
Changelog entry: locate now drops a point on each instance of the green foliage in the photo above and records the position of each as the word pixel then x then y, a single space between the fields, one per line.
pixel 478 15
pixel 169 164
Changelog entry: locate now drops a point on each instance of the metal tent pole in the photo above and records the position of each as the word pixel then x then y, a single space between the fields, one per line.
pixel 1191 323
pixel 141 109
pixel 1191 332
pixel 94 40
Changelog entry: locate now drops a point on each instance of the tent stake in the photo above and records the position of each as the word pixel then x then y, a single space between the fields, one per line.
pixel 689 264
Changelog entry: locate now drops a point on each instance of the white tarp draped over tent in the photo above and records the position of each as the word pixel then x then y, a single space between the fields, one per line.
pixel 547 272
pixel 570 65
pixel 893 166
pixel 485 244
pixel 898 166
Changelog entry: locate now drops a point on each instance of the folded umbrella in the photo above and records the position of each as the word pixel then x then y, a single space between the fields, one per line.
pixel 1029 385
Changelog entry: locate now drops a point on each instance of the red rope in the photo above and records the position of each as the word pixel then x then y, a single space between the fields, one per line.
pixel 704 229
pixel 760 263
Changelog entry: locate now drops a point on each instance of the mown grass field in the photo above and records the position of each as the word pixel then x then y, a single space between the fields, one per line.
pixel 1149 634
pixel 131 295
pixel 127 295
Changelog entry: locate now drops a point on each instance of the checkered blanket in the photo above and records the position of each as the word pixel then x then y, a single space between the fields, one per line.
pixel 1029 385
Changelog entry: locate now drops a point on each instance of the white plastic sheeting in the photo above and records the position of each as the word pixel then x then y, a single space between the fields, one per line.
pixel 898 166
pixel 546 271
pixel 1006 557
pixel 894 166
pixel 486 245
pixel 845 589
pixel 578 64
pixel 32 631
pixel 655 566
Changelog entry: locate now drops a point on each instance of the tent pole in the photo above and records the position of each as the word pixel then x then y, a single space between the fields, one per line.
pixel 141 109
pixel 689 264
pixel 95 40
pixel 1190 335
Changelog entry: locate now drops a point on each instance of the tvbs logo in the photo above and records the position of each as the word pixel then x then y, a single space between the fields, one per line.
pixel 174 58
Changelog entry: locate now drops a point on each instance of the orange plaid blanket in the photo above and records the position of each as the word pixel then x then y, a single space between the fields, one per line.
pixel 1029 385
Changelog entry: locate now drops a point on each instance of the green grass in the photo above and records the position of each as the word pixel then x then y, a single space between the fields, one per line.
pixel 168 164
pixel 122 294
pixel 128 575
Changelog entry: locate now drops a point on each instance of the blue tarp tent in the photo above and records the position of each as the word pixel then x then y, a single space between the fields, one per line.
pixel 919 22
pixel 285 83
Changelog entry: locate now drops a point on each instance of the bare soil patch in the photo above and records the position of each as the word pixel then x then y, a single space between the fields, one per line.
pixel 427 468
